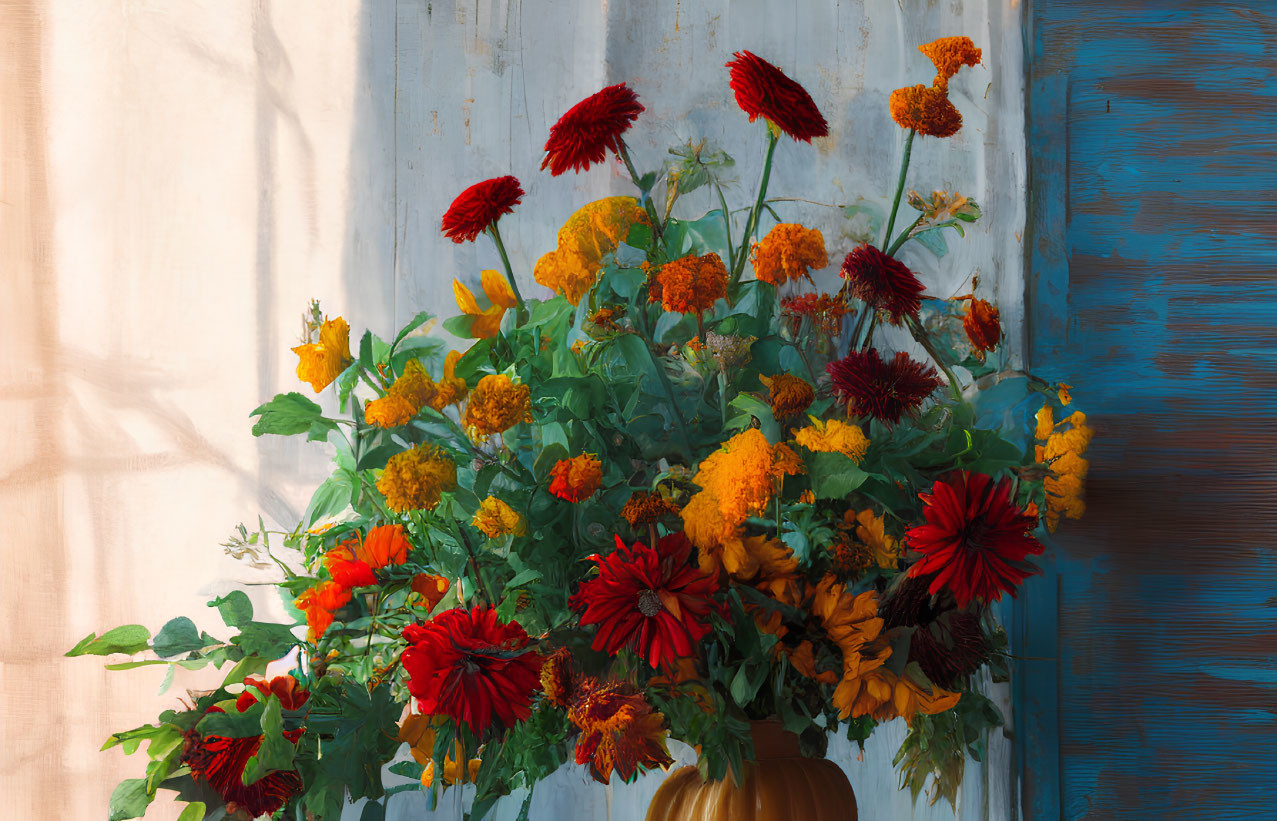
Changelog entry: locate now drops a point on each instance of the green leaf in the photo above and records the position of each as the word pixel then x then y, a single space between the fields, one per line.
pixel 287 414
pixel 373 811
pixel 330 498
pixel 276 752
pixel 129 638
pixel 193 812
pixel 232 723
pixel 408 769
pixel 129 799
pixel 413 324
pixel 833 475
pixel 179 636
pixel 235 607
pixel 265 639
pixel 522 577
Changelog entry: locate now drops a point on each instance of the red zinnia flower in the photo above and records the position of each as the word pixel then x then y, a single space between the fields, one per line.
pixel 884 390
pixel 469 666
pixel 479 206
pixel 975 539
pixel 883 283
pixel 649 599
pixel 590 129
pixel 762 90
pixel 220 761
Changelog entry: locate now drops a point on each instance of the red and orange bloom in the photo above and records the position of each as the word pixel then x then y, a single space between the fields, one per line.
pixel 925 110
pixel 883 283
pixel 590 129
pixel 826 312
pixel 690 285
pixel 577 478
pixel 949 54
pixel 430 588
pixel 319 363
pixel 975 539
pixel 763 90
pixel 789 252
pixel 469 666
pixel 319 603
pixel 619 732
pixel 219 762
pixel 644 508
pixel 346 570
pixel 982 325
pixel 649 599
pixel 384 545
pixel 478 208
pixel 884 390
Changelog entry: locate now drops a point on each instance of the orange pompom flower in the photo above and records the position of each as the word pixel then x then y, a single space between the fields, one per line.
pixel 319 603
pixel 619 732
pixel 590 234
pixel 383 546
pixel 410 393
pixel 763 90
pixel 496 405
pixel 577 478
pixel 982 326
pixel 690 285
pixel 788 394
pixel 590 129
pixel 321 362
pixel 949 54
pixel 925 110
pixel 479 207
pixel 415 479
pixel 789 252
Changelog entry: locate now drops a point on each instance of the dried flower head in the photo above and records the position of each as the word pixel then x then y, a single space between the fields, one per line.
pixel 479 207
pixel 982 326
pixel 787 394
pixel 619 732
pixel 950 54
pixel 729 350
pixel 644 508
pixel 590 129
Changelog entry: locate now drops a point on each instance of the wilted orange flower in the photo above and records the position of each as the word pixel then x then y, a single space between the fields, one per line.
pixel 925 110
pixel 619 733
pixel 849 558
pixel 982 326
pixel 485 322
pixel 497 404
pixel 950 54
pixel 833 436
pixel 415 478
pixel 789 252
pixel 853 625
pixel 577 478
pixel 319 603
pixel 430 588
pixel 1065 396
pixel 449 390
pixel 644 508
pixel 319 363
pixel 788 394
pixel 418 731
pixel 559 678
pixel 872 531
pixel 496 518
pixel 589 235
pixel 691 284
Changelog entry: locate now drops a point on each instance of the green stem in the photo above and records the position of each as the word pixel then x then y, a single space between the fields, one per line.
pixel 924 339
pixel 509 272
pixel 860 325
pixel 904 237
pixel 900 187
pixel 755 213
pixel 727 224
pixel 722 397
pixel 479 577
pixel 648 205
pixel 669 392
pixel 869 334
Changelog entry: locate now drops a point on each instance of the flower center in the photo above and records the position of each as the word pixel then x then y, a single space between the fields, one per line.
pixel 649 603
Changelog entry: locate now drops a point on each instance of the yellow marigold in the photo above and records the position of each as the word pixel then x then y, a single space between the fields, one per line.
pixel 950 54
pixel 450 390
pixel 496 405
pixel 589 235
pixel 419 733
pixel 1046 422
pixel 644 508
pixel 690 285
pixel 833 436
pixel 409 394
pixel 496 518
pixel 872 531
pixel 319 363
pixel 577 478
pixel 925 110
pixel 707 528
pixel 415 479
pixel 487 321
pixel 1063 454
pixel 1065 396
pixel 788 252
pixel 745 472
pixel 788 394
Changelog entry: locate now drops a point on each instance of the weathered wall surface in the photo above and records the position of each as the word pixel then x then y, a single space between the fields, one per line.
pixel 180 178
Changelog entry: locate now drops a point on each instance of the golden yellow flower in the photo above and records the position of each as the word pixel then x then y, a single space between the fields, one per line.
pixel 496 405
pixel 415 479
pixel 788 394
pixel 1065 396
pixel 1063 453
pixel 419 733
pixel 486 321
pixel 745 473
pixel 871 530
pixel 450 390
pixel 1046 422
pixel 409 394
pixel 496 518
pixel 644 508
pixel 833 436
pixel 319 363
pixel 590 234
pixel 788 252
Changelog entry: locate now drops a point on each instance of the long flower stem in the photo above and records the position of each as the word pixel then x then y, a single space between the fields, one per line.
pixel 479 577
pixel 900 187
pixel 755 214
pixel 924 339
pixel 509 273
pixel 727 223
pixel 903 238
pixel 869 334
pixel 648 205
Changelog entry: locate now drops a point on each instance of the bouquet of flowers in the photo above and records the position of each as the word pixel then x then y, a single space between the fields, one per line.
pixel 680 491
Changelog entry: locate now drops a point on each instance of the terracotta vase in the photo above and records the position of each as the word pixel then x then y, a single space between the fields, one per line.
pixel 780 785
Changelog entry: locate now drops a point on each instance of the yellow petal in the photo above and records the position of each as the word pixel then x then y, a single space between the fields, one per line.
pixel 450 364
pixel 487 323
pixel 498 289
pixel 465 299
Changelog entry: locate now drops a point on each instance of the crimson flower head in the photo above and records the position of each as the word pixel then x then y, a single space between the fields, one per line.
pixel 469 666
pixel 884 390
pixel 620 732
pixel 590 129
pixel 651 600
pixel 762 90
pixel 975 540
pixel 883 283
pixel 479 207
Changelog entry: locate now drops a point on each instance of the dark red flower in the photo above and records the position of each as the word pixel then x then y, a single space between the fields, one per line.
pixel 590 129
pixel 884 390
pixel 651 600
pixel 620 733
pixel 975 539
pixel 982 325
pixel 479 206
pixel 220 761
pixel 762 90
pixel 949 648
pixel 883 283
pixel 469 666
pixel 909 602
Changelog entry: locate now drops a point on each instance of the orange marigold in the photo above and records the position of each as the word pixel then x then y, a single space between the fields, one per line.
pixel 982 326
pixel 496 518
pixel 415 478
pixel 321 362
pixel 496 405
pixel 925 110
pixel 833 436
pixel 559 678
pixel 619 733
pixel 745 472
pixel 691 285
pixel 950 54
pixel 450 390
pixel 644 508
pixel 383 546
pixel 577 478
pixel 409 394
pixel 319 603
pixel 419 733
pixel 788 394
pixel 430 588
pixel 589 235
pixel 789 252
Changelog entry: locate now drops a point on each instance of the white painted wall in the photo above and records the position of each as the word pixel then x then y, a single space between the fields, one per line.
pixel 181 177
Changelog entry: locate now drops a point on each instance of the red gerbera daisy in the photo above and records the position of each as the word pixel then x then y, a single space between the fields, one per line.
pixel 884 390
pixel 649 599
pixel 975 540
pixel 762 90
pixel 469 666
pixel 883 283
pixel 590 129
pixel 220 761
pixel 479 207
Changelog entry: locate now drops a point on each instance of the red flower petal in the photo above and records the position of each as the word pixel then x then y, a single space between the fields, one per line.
pixel 479 206
pixel 882 282
pixel 590 129
pixel 883 390
pixel 762 90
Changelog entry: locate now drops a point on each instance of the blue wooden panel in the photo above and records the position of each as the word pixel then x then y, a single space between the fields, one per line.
pixel 1149 687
